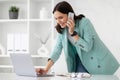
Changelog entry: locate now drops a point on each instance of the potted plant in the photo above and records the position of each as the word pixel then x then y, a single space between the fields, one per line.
pixel 13 12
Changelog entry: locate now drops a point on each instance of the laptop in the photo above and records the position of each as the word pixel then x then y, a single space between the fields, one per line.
pixel 23 65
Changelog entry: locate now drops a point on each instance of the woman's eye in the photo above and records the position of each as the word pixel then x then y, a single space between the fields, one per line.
pixel 60 17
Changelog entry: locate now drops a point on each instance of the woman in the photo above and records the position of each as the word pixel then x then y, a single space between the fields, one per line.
pixel 83 49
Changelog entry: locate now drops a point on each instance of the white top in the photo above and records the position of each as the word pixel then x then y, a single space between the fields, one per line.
pixel 70 38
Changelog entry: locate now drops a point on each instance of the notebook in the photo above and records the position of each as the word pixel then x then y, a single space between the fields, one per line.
pixel 23 65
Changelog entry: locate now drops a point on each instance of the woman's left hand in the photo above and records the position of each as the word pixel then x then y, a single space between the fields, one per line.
pixel 70 25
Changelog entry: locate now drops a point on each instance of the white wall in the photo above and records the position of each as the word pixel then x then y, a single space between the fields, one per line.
pixel 0 34
pixel 104 14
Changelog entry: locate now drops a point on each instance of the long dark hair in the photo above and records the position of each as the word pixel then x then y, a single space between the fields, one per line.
pixel 64 7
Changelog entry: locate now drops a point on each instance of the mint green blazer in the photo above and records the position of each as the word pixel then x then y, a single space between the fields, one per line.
pixel 94 55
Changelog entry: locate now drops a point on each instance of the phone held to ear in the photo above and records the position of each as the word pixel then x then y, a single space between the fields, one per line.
pixel 70 15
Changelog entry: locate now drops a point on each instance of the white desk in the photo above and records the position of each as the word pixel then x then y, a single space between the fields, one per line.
pixel 12 76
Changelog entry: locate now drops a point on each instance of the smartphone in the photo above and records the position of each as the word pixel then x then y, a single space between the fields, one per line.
pixel 71 15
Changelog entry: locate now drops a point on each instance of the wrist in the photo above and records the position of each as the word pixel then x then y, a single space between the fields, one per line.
pixel 71 32
pixel 46 70
pixel 74 33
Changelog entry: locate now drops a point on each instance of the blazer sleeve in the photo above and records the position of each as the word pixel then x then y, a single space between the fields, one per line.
pixel 85 42
pixel 57 49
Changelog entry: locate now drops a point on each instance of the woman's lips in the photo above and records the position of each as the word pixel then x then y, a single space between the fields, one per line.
pixel 63 24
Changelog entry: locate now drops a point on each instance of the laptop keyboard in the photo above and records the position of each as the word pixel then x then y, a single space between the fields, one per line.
pixel 45 75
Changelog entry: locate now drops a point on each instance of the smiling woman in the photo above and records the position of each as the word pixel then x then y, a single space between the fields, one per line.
pixel 83 49
pixel 105 17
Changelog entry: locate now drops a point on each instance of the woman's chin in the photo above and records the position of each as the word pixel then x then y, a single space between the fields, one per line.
pixel 63 26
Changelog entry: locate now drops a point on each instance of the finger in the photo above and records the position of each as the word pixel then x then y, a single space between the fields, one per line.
pixel 69 23
pixel 70 19
pixel 72 22
pixel 42 71
pixel 37 69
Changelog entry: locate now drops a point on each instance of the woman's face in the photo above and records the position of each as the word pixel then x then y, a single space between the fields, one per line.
pixel 61 18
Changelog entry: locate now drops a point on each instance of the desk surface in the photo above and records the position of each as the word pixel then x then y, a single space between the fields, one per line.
pixel 12 76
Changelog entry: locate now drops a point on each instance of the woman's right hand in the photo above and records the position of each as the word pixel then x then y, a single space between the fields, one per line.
pixel 44 70
pixel 41 71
